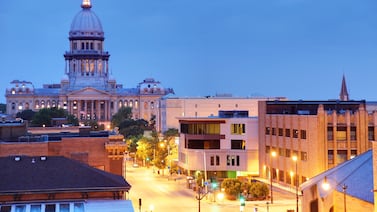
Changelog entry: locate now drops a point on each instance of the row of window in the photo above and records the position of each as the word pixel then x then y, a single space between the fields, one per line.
pixel 287 177
pixel 201 128
pixel 285 152
pixel 40 104
pixel 87 45
pixel 48 207
pixel 237 129
pixel 291 133
pixel 231 160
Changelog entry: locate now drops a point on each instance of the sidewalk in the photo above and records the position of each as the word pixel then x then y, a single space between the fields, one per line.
pixel 279 205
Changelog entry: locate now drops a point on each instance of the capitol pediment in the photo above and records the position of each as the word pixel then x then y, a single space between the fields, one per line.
pixel 88 93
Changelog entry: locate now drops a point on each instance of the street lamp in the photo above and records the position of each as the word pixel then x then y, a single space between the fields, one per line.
pixel 326 186
pixel 273 154
pixel 294 158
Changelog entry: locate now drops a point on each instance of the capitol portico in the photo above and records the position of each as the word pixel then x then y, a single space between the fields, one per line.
pixel 87 90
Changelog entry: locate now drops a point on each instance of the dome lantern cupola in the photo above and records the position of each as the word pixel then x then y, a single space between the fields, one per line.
pixel 86 4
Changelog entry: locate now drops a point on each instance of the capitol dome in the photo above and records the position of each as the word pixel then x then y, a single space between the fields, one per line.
pixel 86 23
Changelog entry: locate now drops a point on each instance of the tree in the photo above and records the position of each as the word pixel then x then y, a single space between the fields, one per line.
pixel 44 117
pixel 26 115
pixel 124 113
pixel 3 108
pixel 232 187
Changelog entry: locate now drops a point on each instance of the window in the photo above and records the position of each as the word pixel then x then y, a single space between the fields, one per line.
pixel 50 208
pixel 268 131
pixel 238 144
pixel 330 156
pixel 341 133
pixel 304 156
pixel 273 131
pixel 353 153
pixel 303 134
pixel 267 149
pixel 287 132
pixel 64 207
pixel 280 131
pixel 237 129
pixel 233 160
pixel 281 152
pixel 78 207
pixel 35 208
pixel 288 153
pixel 341 156
pixel 20 208
pixel 74 46
pixel 330 134
pixel 353 134
pixel 371 133
pixel 295 133
pixel 215 160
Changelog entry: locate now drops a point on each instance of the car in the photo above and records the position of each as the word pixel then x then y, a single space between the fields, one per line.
pixel 135 165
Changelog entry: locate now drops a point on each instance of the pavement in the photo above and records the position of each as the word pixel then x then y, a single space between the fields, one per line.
pixel 279 205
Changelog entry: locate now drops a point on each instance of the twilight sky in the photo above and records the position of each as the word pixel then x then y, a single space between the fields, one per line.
pixel 294 48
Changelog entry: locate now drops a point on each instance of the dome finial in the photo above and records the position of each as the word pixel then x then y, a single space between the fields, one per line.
pixel 86 4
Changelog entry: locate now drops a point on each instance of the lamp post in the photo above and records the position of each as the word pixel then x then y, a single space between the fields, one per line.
pixel 294 158
pixel 326 186
pixel 273 154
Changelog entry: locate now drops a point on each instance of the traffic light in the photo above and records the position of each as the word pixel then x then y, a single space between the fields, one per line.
pixel 214 185
pixel 242 201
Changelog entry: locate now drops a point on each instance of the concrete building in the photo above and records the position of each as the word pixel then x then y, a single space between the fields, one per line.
pixel 220 146
pixel 174 107
pixel 321 134
pixel 87 90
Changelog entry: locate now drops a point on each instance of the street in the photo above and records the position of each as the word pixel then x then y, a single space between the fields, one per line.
pixel 160 194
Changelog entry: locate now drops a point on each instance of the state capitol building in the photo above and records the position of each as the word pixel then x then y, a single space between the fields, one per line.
pixel 87 91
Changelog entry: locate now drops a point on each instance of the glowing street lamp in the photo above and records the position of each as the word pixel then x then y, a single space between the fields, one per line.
pixel 273 154
pixel 326 186
pixel 294 158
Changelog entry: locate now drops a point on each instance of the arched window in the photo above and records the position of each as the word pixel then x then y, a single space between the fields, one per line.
pixel 27 106
pixel 136 104
pixel 13 106
pixel 36 104
pixel 145 105
pixel 131 103
pixel 120 104
pixel 20 106
pixel 125 103
pixel 152 105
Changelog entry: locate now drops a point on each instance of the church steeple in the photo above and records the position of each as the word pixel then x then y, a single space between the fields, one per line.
pixel 343 96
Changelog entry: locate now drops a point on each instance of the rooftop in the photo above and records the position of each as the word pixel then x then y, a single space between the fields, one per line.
pixel 44 174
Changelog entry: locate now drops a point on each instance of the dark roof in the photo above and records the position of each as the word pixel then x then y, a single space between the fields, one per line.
pixel 54 174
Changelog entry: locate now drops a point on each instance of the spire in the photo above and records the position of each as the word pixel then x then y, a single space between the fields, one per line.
pixel 86 4
pixel 343 90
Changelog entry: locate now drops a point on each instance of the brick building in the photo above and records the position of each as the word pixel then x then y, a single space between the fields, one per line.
pixel 322 134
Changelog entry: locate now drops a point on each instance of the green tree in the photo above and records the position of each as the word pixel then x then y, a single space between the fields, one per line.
pixel 258 190
pixel 144 149
pixel 26 115
pixel 232 187
pixel 44 117
pixel 3 108
pixel 124 113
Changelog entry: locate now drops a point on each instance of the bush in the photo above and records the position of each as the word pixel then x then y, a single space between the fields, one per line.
pixel 252 191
